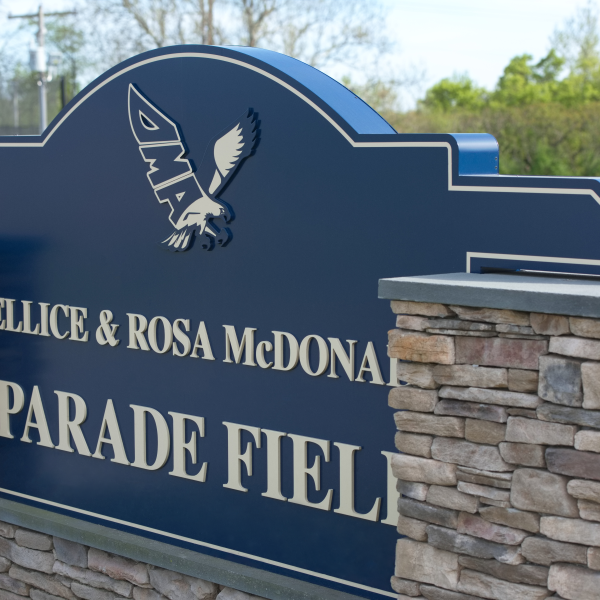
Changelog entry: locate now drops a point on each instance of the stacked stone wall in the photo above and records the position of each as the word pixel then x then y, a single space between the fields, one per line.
pixel 499 470
pixel 42 567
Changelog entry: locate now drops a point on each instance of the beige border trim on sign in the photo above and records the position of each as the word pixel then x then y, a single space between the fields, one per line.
pixel 451 186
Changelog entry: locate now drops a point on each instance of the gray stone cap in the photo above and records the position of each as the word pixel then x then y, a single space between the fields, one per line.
pixel 578 297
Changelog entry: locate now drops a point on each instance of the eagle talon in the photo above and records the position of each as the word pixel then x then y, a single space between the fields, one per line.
pixel 206 241
pixel 223 237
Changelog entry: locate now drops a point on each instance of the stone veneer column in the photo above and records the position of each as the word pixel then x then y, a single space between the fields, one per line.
pixel 499 471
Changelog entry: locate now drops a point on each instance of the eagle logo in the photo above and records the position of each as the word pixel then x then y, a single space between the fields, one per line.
pixel 192 196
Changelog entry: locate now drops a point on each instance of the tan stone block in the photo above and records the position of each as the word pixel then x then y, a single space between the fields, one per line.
pixel 587 440
pixel 411 322
pixel 484 432
pixel 566 461
pixel 405 586
pixel 590 375
pixel 419 374
pixel 576 531
pixel 421 347
pixel 593 556
pixel 477 456
pixel 423 470
pixel 500 352
pixel 412 398
pixel 520 380
pixel 412 528
pixel 476 476
pixel 549 324
pixel 574 346
pixel 478 527
pixel 411 489
pixel 413 443
pixel 485 396
pixel 491 315
pixel 423 563
pixel 449 497
pixel 584 490
pixel 542 492
pixel 118 567
pixel 470 376
pixel 480 584
pixel 426 309
pixel 577 583
pixel 483 491
pixel 527 455
pixel 430 424
pixel 511 517
pixel 530 431
pixel 543 551
pixel 589 328
pixel 590 511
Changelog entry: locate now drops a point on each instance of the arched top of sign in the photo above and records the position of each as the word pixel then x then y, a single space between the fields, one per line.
pixel 473 159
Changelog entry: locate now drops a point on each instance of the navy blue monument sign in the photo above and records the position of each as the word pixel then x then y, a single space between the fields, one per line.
pixel 192 347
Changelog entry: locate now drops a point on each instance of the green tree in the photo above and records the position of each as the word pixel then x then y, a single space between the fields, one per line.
pixel 457 92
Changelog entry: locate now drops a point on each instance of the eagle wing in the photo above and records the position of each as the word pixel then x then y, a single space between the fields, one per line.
pixel 226 151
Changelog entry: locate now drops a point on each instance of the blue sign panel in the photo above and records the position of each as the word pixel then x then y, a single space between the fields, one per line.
pixel 192 347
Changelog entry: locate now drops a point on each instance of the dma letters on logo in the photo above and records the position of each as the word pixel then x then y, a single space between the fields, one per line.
pixel 191 196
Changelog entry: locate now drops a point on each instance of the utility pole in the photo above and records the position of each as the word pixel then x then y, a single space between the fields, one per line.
pixel 38 58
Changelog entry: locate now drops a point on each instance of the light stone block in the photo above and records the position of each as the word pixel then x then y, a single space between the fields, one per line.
pixel 449 497
pixel 26 557
pixel 478 527
pixel 413 443
pixel 543 551
pixel 511 517
pixel 590 375
pixel 410 489
pixel 486 586
pixel 590 511
pixel 593 556
pixel 423 470
pixel 176 586
pixel 430 424
pixel 452 541
pixel 587 440
pixel 411 322
pixel 93 579
pixel 589 328
pixel 419 374
pixel 412 528
pixel 491 315
pixel 549 324
pixel 478 456
pixel 70 553
pixel 470 376
pixel 424 563
pixel 576 347
pixel 412 398
pixel 530 431
pixel 33 540
pixel 576 531
pixel 483 491
pixel 584 490
pixel 574 583
pixel 405 586
pixel 485 396
pixel 426 309
pixel 48 583
pixel 542 492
